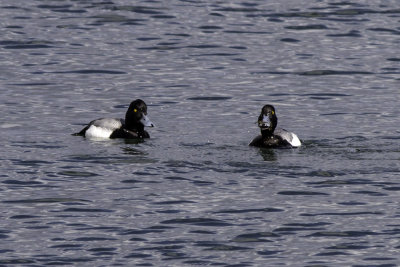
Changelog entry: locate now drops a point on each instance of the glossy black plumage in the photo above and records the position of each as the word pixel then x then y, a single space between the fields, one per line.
pixel 271 136
pixel 132 127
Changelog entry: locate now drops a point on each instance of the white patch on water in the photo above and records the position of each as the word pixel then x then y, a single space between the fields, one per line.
pixel 9 125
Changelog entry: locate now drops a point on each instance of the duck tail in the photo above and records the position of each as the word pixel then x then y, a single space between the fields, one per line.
pixel 82 132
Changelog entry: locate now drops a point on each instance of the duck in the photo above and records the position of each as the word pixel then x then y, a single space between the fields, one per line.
pixel 132 127
pixel 271 136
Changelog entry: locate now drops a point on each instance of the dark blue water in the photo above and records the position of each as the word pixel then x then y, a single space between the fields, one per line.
pixel 196 194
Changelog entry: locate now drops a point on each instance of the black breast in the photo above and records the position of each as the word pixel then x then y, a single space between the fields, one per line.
pixel 269 142
pixel 273 141
pixel 128 134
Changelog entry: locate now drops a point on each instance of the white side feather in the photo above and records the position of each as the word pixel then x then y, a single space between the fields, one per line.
pixel 290 137
pixel 98 132
pixel 103 128
pixel 295 140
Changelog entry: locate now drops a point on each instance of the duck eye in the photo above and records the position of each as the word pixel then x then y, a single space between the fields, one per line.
pixel 272 112
pixel 135 110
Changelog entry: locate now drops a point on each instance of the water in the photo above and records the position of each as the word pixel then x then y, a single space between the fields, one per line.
pixel 196 193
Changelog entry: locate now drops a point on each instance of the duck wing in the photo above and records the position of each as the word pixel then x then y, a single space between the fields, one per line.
pixel 108 123
pixel 290 137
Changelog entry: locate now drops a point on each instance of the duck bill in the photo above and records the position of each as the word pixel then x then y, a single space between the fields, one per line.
pixel 146 121
pixel 264 123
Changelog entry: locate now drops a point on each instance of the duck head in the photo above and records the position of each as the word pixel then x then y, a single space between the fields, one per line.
pixel 267 120
pixel 136 116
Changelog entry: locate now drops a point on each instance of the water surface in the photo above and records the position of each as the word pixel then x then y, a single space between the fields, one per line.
pixel 196 193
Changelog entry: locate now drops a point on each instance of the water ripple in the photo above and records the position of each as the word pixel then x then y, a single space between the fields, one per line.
pixel 196 193
pixel 198 221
